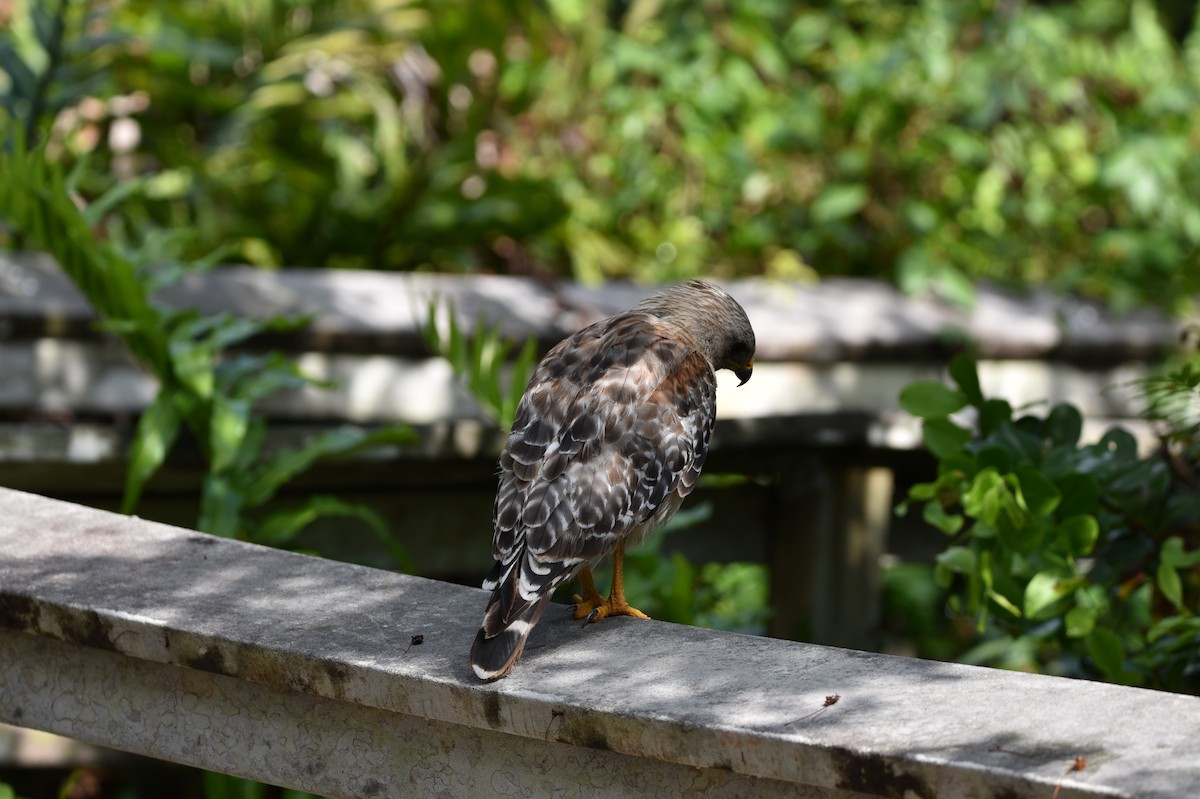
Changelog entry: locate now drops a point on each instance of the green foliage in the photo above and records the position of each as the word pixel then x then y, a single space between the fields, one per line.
pixel 914 614
pixel 202 388
pixel 932 143
pixel 664 584
pixel 300 132
pixel 481 360
pixel 1075 558
pixel 48 62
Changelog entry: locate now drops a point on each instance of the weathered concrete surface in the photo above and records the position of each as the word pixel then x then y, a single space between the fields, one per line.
pixel 305 632
pixel 334 748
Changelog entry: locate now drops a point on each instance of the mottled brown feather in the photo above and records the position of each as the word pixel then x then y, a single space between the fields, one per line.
pixel 610 436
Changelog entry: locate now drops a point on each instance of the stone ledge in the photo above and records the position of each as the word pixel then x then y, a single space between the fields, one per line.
pixel 262 642
pixel 63 377
pixel 838 319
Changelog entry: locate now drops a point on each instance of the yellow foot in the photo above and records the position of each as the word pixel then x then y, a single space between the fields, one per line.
pixel 595 608
pixel 591 598
pixel 591 607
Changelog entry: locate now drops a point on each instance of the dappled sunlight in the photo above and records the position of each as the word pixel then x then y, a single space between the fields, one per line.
pixel 377 388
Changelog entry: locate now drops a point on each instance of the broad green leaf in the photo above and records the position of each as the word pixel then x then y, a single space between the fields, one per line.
pixel 1080 493
pixel 993 457
pixel 23 80
pixel 193 366
pixel 923 491
pixel 1064 424
pixel 1080 532
pixel 960 560
pixel 156 432
pixel 1041 496
pixel 330 443
pixel 1121 443
pixel 1172 553
pixel 943 437
pixel 283 466
pixel 982 529
pixel 1021 444
pixel 281 528
pixel 227 430
pixel 189 327
pixel 1018 529
pixel 955 286
pixel 936 515
pixel 250 450
pixel 1042 592
pixel 1106 649
pixel 1174 625
pixel 838 201
pixel 966 376
pixel 985 497
pixel 220 507
pixel 994 413
pixel 254 377
pixel 1170 584
pixel 232 330
pixel 928 399
pixel 1079 621
pixel 954 466
pixel 1139 478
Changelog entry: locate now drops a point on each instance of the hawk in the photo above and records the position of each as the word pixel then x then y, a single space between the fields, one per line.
pixel 608 439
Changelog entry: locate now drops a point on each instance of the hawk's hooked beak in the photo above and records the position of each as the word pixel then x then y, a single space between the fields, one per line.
pixel 743 370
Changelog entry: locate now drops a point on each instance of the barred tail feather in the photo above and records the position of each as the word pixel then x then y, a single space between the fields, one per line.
pixel 494 655
pixel 521 588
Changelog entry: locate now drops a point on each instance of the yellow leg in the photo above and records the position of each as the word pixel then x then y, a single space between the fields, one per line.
pixel 591 598
pixel 593 607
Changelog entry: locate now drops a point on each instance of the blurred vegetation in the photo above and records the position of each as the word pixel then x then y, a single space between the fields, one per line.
pixel 482 359
pixel 930 143
pixel 203 388
pixel 1076 559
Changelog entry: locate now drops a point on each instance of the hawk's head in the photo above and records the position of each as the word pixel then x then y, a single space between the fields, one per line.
pixel 713 319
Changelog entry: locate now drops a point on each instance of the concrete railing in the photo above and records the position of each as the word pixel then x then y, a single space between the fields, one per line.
pixel 353 682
